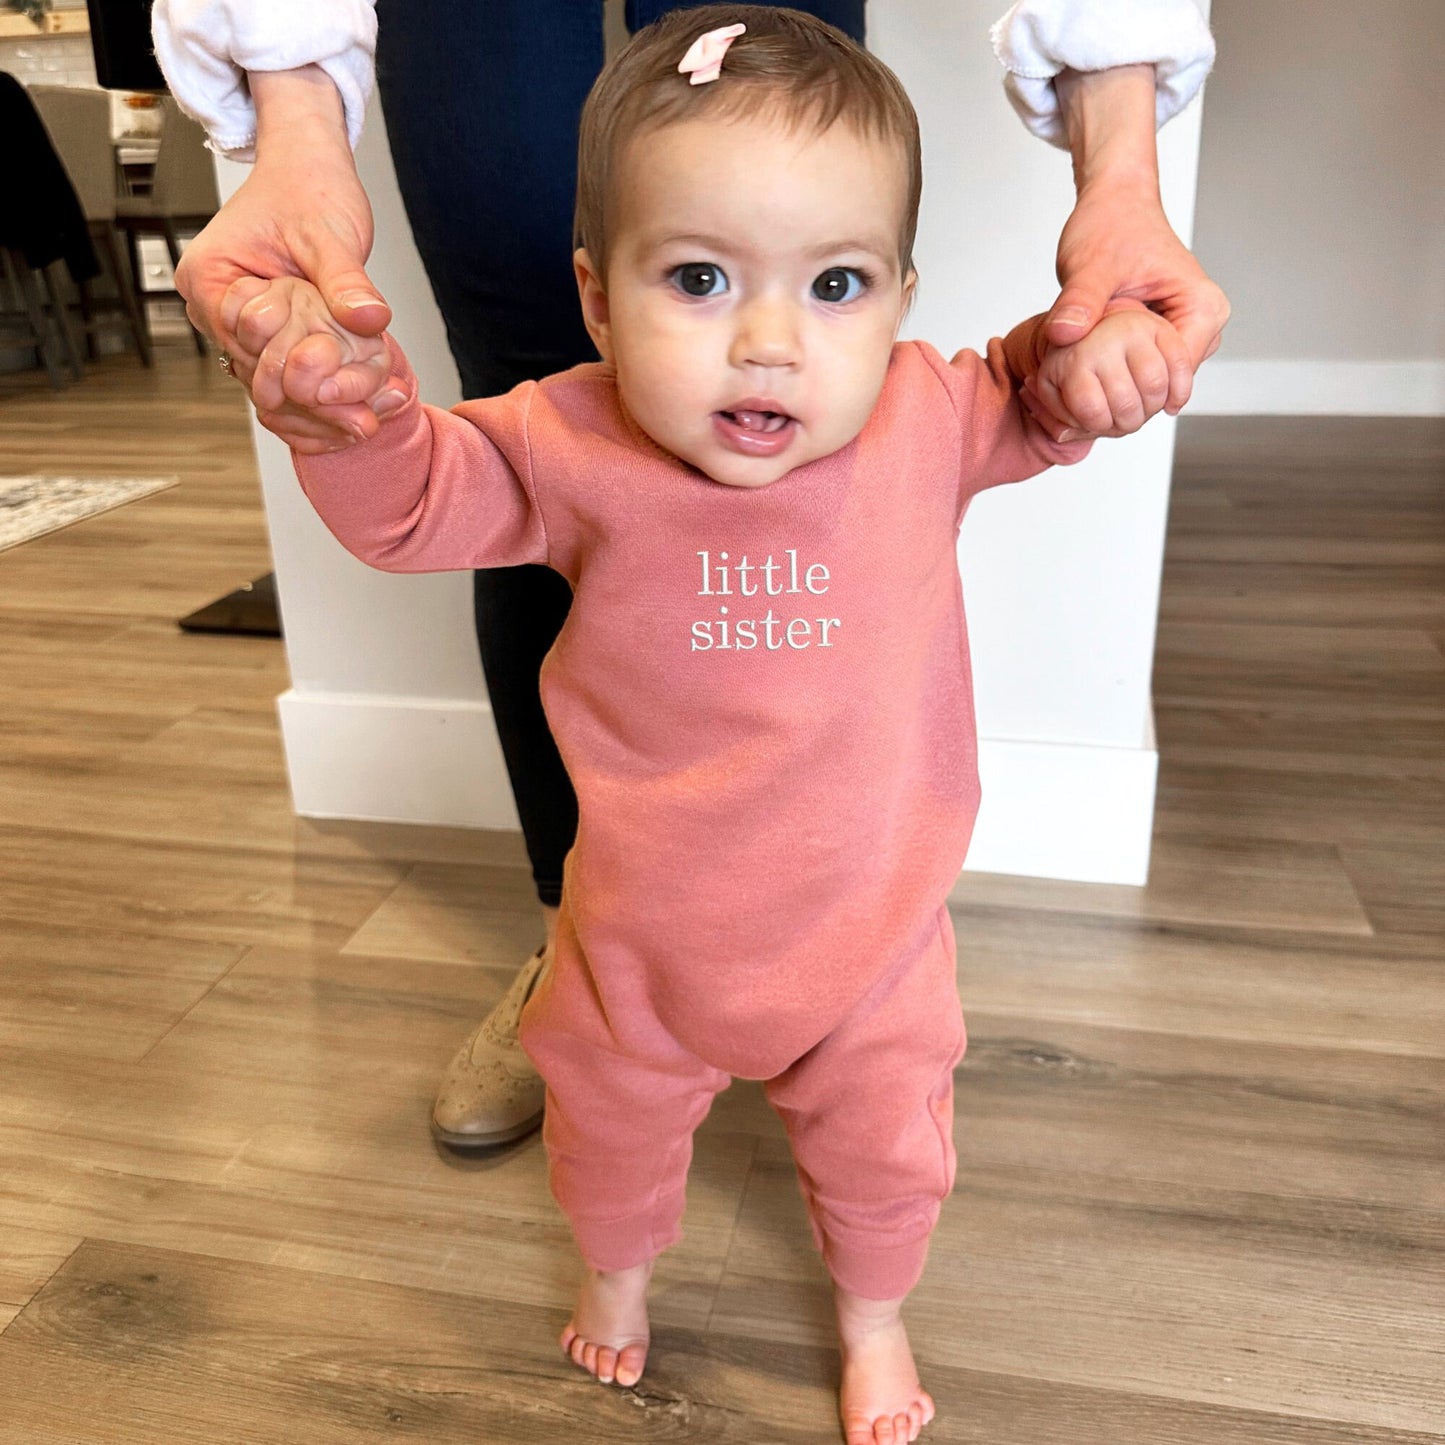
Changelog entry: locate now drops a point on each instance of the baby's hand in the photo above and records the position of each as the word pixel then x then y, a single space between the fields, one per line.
pixel 1132 365
pixel 314 384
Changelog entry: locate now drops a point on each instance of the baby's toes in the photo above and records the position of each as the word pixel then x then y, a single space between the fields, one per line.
pixel 577 1351
pixel 631 1363
pixel 606 1364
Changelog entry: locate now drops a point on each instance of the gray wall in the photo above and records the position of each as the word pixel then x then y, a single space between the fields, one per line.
pixel 1321 204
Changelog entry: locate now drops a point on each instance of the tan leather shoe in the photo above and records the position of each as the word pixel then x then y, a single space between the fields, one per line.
pixel 490 1093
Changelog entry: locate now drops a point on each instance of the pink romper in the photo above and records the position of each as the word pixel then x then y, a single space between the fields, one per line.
pixel 763 700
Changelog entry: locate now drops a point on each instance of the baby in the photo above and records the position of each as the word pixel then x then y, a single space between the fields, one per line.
pixel 762 693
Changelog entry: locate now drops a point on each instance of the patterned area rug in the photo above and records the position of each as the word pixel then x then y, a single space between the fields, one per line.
pixel 32 506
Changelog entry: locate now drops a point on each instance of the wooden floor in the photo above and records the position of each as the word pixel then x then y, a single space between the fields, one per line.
pixel 1201 1126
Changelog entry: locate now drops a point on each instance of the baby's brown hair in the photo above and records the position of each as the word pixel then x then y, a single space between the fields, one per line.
pixel 787 64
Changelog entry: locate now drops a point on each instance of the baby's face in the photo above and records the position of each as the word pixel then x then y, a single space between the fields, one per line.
pixel 753 292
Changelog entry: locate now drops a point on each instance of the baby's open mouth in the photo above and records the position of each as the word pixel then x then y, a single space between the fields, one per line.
pixel 760 421
pixel 755 428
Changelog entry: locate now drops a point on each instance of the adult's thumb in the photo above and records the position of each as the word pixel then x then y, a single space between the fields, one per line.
pixel 1077 311
pixel 347 290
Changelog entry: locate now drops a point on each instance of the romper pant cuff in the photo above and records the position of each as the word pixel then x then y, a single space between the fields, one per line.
pixel 624 1243
pixel 865 1266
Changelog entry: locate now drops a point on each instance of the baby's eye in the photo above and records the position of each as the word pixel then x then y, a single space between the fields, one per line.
pixel 699 278
pixel 840 283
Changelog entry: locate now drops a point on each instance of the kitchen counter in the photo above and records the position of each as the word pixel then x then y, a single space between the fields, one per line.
pixel 14 26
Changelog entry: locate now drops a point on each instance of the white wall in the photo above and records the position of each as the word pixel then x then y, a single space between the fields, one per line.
pixel 1322 206
pixel 388 718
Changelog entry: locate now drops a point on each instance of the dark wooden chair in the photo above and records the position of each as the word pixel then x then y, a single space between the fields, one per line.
pixel 79 124
pixel 41 225
pixel 182 194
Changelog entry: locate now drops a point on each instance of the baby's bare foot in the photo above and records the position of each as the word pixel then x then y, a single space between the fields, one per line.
pixel 607 1334
pixel 881 1402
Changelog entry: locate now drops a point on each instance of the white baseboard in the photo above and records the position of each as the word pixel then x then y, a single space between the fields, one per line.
pixel 1065 810
pixel 1051 810
pixel 1319 388
pixel 395 759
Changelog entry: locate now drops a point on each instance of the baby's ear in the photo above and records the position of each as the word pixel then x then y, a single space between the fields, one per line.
pixel 910 290
pixel 596 314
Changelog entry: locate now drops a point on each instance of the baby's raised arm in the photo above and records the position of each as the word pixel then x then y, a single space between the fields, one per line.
pixel 433 490
pixel 1109 384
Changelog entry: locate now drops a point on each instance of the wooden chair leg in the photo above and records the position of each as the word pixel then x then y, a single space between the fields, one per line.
pixel 30 298
pixel 132 246
pixel 173 245
pixel 55 289
pixel 126 285
pixel 88 321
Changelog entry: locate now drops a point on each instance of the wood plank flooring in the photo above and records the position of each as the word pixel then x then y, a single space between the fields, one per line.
pixel 1201 1125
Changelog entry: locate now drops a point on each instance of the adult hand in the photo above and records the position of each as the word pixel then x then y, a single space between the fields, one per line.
pixel 301 212
pixel 1118 243
pixel 287 325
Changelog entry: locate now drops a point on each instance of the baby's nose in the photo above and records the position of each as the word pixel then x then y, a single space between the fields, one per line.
pixel 767 334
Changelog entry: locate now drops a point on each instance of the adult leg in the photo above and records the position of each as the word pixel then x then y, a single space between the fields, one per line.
pixel 869 1114
pixel 481 106
pixel 847 15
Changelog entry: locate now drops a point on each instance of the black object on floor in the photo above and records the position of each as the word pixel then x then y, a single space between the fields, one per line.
pixel 250 610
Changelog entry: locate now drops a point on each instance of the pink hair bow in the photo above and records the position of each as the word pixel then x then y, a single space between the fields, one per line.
pixel 705 55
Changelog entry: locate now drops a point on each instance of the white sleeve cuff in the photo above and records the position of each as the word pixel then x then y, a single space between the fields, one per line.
pixel 1037 39
pixel 205 48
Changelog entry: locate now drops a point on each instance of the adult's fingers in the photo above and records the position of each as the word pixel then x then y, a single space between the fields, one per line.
pixel 357 381
pixel 234 299
pixel 322 370
pixel 267 387
pixel 342 425
pixel 308 363
pixel 202 293
pixel 305 433
pixel 261 321
pixel 1199 314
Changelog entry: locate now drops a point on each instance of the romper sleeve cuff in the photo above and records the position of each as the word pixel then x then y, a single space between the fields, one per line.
pixel 1037 39
pixel 205 48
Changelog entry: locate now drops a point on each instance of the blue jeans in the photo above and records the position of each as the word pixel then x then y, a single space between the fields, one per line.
pixel 482 100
